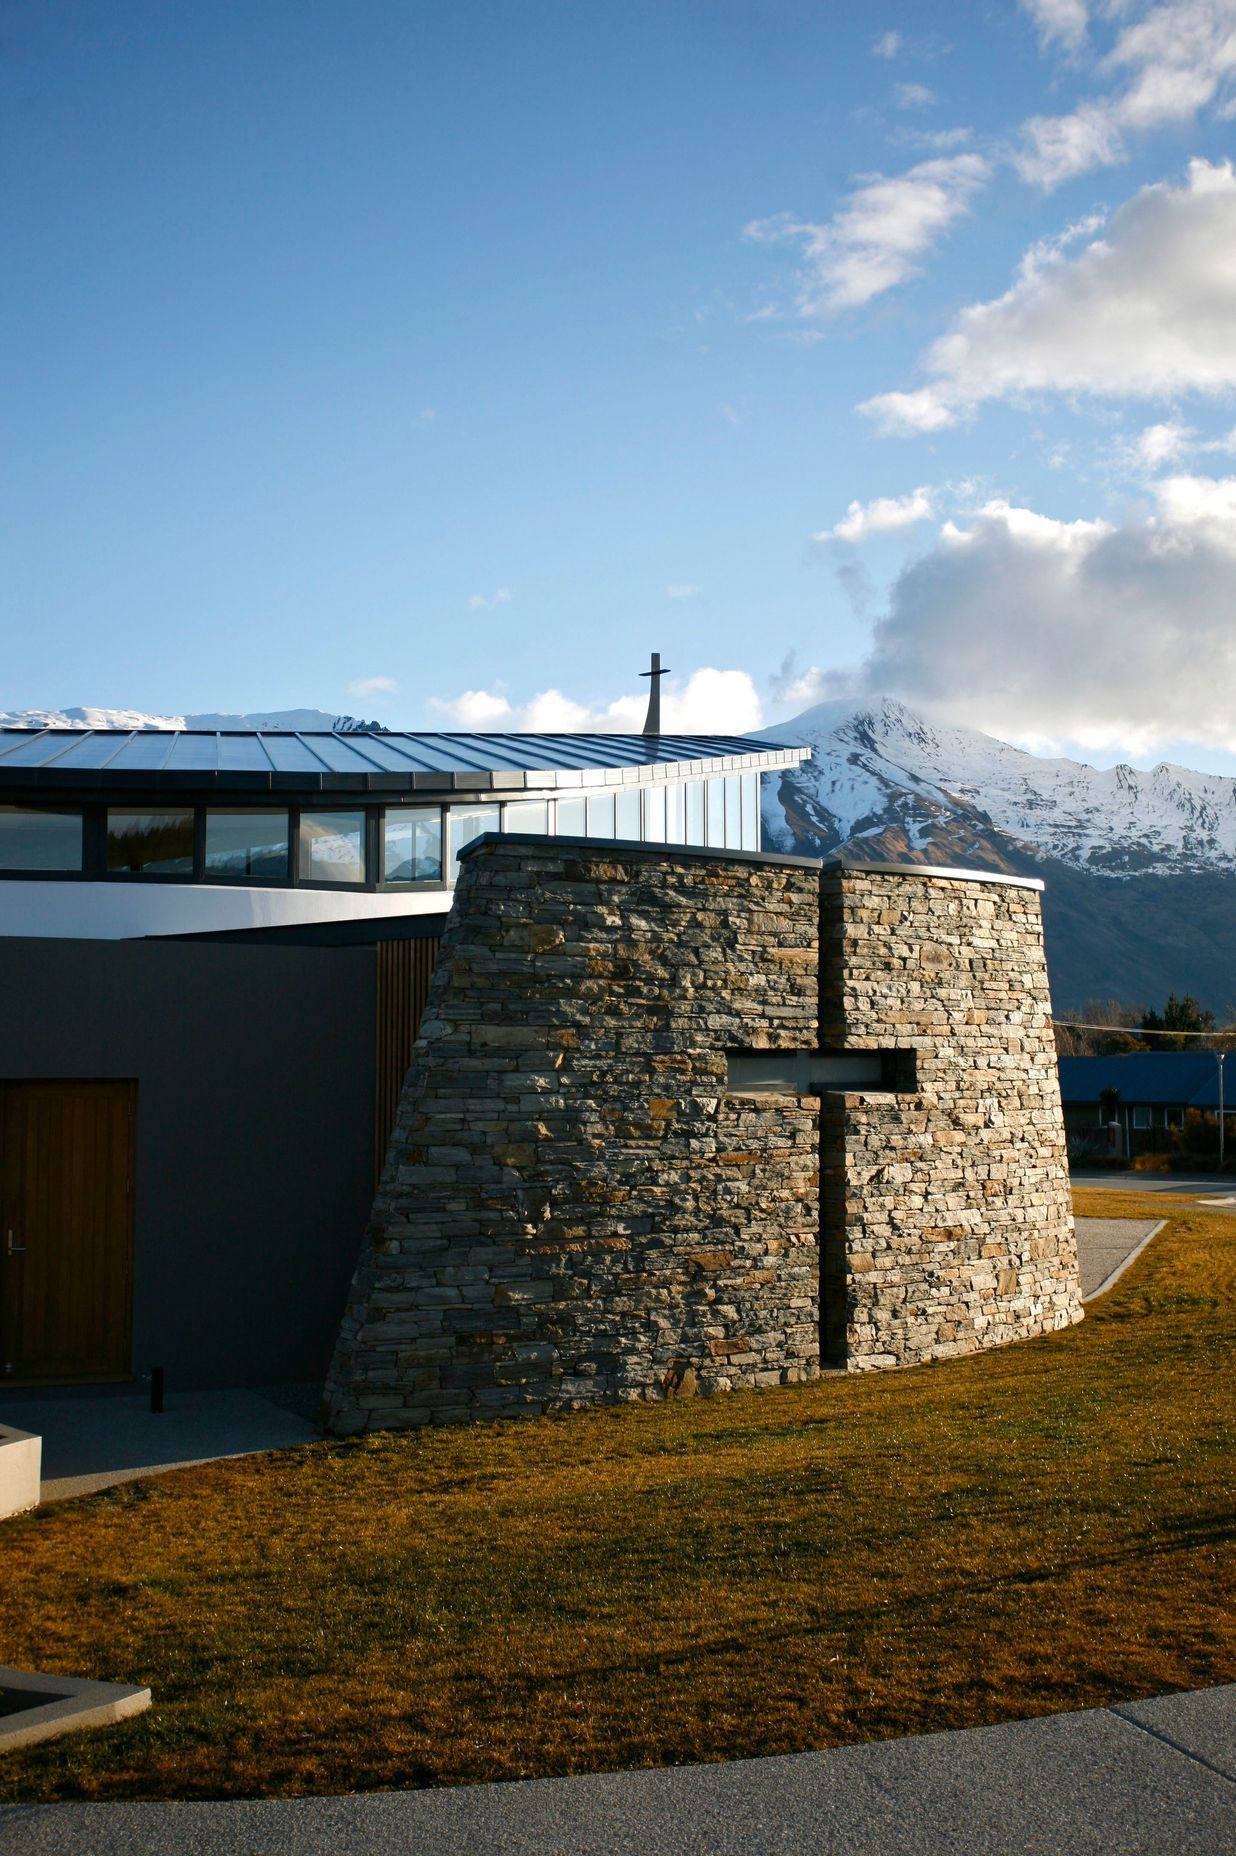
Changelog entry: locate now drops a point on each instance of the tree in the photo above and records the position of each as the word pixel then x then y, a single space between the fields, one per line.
pixel 1120 1043
pixel 1178 1015
pixel 1073 1041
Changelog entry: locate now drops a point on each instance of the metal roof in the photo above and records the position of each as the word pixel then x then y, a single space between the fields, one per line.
pixel 1176 1078
pixel 363 761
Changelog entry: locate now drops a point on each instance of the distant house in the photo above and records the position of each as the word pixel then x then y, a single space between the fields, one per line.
pixel 1156 1090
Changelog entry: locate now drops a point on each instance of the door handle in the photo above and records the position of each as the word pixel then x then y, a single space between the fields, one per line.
pixel 15 1250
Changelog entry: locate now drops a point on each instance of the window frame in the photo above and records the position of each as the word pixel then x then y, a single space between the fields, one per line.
pixel 138 806
pixel 27 873
pixel 413 884
pixel 93 811
pixel 226 879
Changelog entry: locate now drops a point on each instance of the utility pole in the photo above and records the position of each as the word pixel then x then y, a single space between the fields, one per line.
pixel 1219 1056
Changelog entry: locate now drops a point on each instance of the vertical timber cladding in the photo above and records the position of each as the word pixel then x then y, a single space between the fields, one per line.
pixel 66 1229
pixel 573 1210
pixel 405 969
pixel 947 1218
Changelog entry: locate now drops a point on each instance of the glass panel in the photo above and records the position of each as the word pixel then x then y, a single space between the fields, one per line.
pixel 654 814
pixel 695 812
pixel 733 812
pixel 572 818
pixel 675 819
pixel 716 811
pixel 247 843
pixel 626 813
pixel 31 840
pixel 750 811
pixel 412 844
pixel 601 816
pixel 157 841
pixel 526 815
pixel 332 847
pixel 466 823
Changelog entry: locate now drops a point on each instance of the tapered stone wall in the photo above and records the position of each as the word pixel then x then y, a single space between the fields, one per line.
pixel 576 1210
pixel 573 1210
pixel 947 1222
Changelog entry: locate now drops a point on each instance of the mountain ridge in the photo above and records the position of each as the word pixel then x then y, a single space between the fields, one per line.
pixel 881 769
pixel 1139 868
pixel 312 720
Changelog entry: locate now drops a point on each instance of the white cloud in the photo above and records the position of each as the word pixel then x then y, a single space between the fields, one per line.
pixel 1145 312
pixel 881 235
pixel 940 140
pixel 899 414
pixel 427 415
pixel 1157 445
pixel 880 516
pixel 1058 147
pixel 886 45
pixel 712 702
pixel 1038 629
pixel 797 687
pixel 474 709
pixel 913 96
pixel 681 589
pixel 1175 58
pixel 1059 22
pixel 481 602
pixel 373 686
pixel 1202 505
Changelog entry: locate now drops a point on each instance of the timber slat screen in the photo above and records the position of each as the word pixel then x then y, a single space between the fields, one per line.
pixel 404 972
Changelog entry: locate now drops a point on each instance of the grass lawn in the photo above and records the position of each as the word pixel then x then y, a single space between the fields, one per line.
pixel 1051 1525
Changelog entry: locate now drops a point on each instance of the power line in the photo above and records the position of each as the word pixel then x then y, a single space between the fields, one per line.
pixel 1140 1031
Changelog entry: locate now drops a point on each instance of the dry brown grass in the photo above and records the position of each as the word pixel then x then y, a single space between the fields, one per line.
pixel 1047 1526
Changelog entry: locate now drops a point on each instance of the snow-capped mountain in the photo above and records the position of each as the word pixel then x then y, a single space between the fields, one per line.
pixel 287 719
pixel 1139 868
pixel 883 780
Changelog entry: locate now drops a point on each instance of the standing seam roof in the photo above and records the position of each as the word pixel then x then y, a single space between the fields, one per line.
pixel 262 751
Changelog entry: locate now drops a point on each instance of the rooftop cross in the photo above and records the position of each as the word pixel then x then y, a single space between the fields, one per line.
pixel 652 721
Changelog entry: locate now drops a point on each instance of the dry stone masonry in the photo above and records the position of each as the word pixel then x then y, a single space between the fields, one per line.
pixel 947 1222
pixel 578 1207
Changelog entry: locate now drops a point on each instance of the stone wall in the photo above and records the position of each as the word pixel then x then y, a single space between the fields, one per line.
pixel 575 1210
pixel 947 1213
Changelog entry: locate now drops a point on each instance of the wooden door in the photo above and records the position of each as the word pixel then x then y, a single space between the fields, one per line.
pixel 66 1229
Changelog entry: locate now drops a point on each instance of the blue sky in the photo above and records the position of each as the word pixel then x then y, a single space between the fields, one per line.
pixel 435 363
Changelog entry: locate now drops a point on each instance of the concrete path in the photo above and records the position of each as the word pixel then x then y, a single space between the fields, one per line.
pixel 1152 1778
pixel 1205 1186
pixel 92 1441
pixel 1107 1246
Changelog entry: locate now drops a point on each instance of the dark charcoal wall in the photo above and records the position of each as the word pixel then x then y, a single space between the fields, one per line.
pixel 255 1075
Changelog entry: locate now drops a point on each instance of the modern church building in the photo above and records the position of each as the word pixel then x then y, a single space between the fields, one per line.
pixel 214 952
